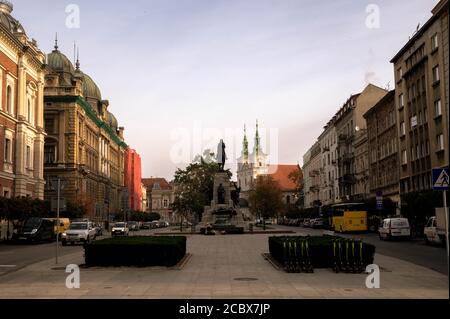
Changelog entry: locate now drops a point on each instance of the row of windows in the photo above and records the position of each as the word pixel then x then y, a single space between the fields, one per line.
pixel 8 155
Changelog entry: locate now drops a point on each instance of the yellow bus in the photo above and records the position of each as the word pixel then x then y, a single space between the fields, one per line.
pixel 349 217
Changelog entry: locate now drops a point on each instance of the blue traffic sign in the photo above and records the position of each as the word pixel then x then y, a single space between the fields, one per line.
pixel 440 179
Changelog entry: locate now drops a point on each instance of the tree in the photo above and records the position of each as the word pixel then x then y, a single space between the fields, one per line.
pixel 194 187
pixel 297 177
pixel 266 200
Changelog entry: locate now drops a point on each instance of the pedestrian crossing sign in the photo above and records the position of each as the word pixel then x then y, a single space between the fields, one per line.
pixel 440 179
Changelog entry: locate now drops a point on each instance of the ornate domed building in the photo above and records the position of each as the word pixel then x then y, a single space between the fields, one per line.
pixel 22 71
pixel 84 143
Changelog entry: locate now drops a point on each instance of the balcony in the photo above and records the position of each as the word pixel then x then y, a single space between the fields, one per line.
pixel 325 149
pixel 314 173
pixel 347 179
pixel 347 157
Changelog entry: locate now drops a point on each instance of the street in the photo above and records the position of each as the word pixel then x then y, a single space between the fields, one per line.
pixel 15 257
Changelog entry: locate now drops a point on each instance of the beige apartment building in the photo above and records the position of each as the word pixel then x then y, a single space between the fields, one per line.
pixel 311 176
pixel 349 120
pixel 329 185
pixel 362 187
pixel 421 89
pixel 383 153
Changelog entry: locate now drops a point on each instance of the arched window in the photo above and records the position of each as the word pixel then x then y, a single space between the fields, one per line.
pixel 9 99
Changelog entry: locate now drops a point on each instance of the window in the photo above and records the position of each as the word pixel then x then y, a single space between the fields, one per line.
pixel 404 157
pixel 29 110
pixel 428 148
pixel 402 129
pixel 28 157
pixel 440 142
pixel 49 125
pixel 413 121
pixel 401 101
pixel 412 154
pixel 400 73
pixel 437 108
pixel 434 42
pixel 49 154
pixel 166 203
pixel 9 99
pixel 8 151
pixel 436 74
pixel 425 115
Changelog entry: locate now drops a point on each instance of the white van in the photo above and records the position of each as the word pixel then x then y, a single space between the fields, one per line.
pixel 395 228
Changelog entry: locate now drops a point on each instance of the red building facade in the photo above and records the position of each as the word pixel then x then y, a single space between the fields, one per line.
pixel 133 176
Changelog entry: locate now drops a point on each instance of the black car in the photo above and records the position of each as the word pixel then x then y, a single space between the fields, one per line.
pixel 36 230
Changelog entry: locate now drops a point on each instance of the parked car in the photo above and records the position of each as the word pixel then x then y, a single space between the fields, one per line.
pixel 133 226
pixel 163 224
pixel 98 229
pixel 79 232
pixel 147 225
pixel 120 229
pixel 35 230
pixel 317 223
pixel 306 222
pixel 434 231
pixel 395 228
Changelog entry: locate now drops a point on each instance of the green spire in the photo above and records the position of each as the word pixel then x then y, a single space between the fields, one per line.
pixel 257 140
pixel 245 145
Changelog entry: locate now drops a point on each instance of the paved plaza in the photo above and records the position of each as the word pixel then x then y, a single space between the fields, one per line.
pixel 221 267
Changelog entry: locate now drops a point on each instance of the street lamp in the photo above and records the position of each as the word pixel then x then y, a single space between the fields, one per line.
pixel 59 184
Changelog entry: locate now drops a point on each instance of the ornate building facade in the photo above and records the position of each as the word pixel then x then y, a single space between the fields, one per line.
pixel 22 71
pixel 84 144
pixel 160 196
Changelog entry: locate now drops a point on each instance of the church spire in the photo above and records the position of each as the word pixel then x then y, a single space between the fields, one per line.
pixel 257 140
pixel 245 146
pixel 77 64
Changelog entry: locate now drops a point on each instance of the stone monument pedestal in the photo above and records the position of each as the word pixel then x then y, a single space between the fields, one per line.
pixel 222 206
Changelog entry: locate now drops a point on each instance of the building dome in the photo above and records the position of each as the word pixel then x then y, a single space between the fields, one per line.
pixel 59 62
pixel 90 89
pixel 112 121
pixel 7 20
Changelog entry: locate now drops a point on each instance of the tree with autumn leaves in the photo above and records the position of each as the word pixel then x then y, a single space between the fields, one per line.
pixel 266 199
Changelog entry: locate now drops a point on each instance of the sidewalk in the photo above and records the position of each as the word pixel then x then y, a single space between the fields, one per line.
pixel 222 267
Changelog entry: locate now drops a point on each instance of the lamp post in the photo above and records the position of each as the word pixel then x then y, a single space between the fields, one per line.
pixel 60 184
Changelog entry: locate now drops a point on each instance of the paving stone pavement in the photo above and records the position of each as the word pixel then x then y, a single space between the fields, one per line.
pixel 212 271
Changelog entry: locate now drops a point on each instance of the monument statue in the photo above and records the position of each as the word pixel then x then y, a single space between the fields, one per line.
pixel 221 155
pixel 221 195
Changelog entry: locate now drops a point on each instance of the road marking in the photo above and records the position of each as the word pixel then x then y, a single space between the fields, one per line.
pixel 7 266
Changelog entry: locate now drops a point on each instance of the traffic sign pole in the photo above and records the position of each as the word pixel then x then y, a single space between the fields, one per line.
pixel 446 225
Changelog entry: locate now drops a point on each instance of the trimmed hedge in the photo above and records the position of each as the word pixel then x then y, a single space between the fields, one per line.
pixel 321 250
pixel 139 251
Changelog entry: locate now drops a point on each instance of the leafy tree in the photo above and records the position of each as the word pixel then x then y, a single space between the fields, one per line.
pixel 266 199
pixel 297 177
pixel 194 186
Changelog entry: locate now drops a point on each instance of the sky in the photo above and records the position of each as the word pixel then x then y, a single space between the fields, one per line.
pixel 182 74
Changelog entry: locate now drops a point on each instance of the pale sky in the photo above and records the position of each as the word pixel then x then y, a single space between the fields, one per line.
pixel 170 66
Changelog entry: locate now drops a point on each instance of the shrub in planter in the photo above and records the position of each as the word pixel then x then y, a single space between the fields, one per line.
pixel 320 249
pixel 136 251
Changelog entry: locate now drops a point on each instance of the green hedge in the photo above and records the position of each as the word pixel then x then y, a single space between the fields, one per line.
pixel 136 251
pixel 321 250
